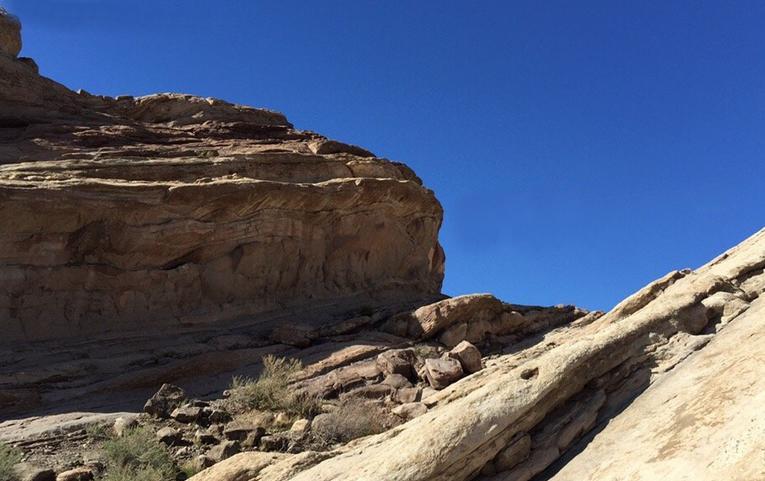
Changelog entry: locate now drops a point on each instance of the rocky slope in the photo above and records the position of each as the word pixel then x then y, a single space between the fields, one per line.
pixel 171 210
pixel 175 239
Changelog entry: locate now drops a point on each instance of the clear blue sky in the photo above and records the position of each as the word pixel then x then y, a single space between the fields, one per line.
pixel 580 149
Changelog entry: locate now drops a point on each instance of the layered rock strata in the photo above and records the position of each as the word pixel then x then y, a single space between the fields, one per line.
pixel 124 214
pixel 530 409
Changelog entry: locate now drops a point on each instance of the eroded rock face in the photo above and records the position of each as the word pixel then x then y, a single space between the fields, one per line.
pixel 10 34
pixel 171 210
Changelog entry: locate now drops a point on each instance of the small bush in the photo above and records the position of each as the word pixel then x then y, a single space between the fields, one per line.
pixel 9 457
pixel 271 390
pixel 138 456
pixel 352 420
pixel 190 468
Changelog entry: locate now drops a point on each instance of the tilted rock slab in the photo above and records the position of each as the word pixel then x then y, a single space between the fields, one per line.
pixel 172 210
pixel 518 416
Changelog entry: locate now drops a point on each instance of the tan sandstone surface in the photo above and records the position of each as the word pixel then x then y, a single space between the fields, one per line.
pixel 516 418
pixel 170 210
pixel 178 239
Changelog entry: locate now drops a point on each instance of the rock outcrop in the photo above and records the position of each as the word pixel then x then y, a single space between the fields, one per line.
pixel 312 268
pixel 126 214
pixel 10 34
pixel 530 410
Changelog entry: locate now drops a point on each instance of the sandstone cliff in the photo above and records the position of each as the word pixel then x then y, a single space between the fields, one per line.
pixel 177 239
pixel 137 213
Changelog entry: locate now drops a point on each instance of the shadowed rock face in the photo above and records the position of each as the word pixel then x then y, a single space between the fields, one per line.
pixel 167 210
pixel 10 34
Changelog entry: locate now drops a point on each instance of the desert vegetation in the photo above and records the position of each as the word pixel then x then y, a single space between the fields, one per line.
pixel 271 391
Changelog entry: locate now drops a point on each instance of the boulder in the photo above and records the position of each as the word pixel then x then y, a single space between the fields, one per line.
pixel 165 401
pixel 76 474
pixel 408 394
pixel 224 450
pixel 123 424
pixel 442 372
pixel 468 355
pixel 169 436
pixel 396 381
pixel 187 413
pixel 397 361
pixel 31 472
pixel 203 436
pixel 239 431
pixel 301 426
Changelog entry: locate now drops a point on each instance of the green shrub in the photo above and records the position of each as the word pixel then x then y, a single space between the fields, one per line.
pixel 9 457
pixel 190 468
pixel 138 456
pixel 271 390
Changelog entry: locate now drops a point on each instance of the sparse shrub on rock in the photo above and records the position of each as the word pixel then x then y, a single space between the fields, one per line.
pixel 9 457
pixel 349 421
pixel 271 390
pixel 138 456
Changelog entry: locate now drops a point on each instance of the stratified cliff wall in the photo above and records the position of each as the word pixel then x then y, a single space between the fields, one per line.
pixel 167 210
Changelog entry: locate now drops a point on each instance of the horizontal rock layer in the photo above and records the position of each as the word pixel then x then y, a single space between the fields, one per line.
pixel 173 210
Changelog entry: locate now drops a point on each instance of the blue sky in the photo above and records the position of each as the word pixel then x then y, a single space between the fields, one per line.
pixel 580 149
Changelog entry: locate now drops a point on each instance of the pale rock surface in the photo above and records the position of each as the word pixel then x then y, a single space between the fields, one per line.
pixel 552 393
pixel 702 421
pixel 240 467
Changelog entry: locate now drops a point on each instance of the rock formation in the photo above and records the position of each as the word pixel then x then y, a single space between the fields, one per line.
pixel 278 294
pixel 131 214
pixel 701 417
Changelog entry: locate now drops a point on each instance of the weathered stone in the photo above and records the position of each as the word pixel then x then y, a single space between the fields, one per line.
pixel 123 424
pixel 274 442
pixel 429 321
pixel 397 361
pixel 301 426
pixel 239 467
pixel 442 372
pixel 203 436
pixel 224 450
pixel 240 431
pixel 408 394
pixel 31 472
pixel 410 410
pixel 374 391
pixel 10 34
pixel 468 355
pixel 171 210
pixel 169 436
pixel 396 381
pixel 515 452
pixel 164 401
pixel 76 474
pixel 187 413
pixel 216 416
